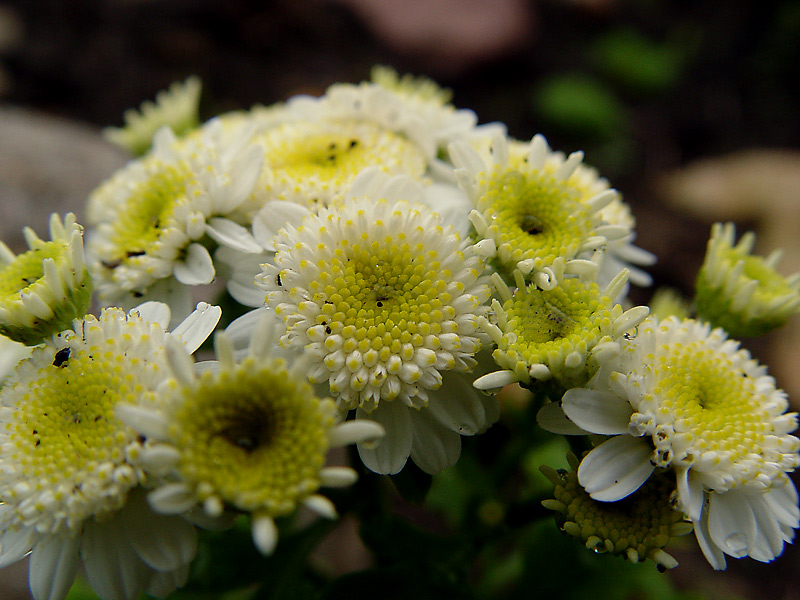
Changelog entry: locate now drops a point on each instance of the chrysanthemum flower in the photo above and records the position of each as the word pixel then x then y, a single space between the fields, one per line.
pixel 177 108
pixel 44 289
pixel 533 214
pixel 740 292
pixel 637 527
pixel 563 333
pixel 68 477
pixel 155 218
pixel 313 161
pixel 386 299
pixel 250 436
pixel 682 396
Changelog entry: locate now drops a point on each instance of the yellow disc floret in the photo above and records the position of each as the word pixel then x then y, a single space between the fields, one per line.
pixel 637 527
pixel 314 162
pixel 255 437
pixel 65 454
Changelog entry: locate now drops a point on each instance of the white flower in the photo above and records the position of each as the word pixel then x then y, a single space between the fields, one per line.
pixel 386 300
pixel 564 333
pixel 313 161
pixel 250 436
pixel 44 289
pixel 154 218
pixel 534 209
pixel 68 477
pixel 682 396
pixel 177 108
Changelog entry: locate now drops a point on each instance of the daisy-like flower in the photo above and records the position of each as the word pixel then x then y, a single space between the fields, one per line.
pixel 386 299
pixel 68 477
pixel 637 527
pixel 313 161
pixel 155 218
pixel 177 108
pixel 533 214
pixel 44 289
pixel 740 292
pixel 564 333
pixel 683 396
pixel 250 436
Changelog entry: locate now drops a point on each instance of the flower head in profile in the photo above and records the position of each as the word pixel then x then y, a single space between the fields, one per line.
pixel 249 436
pixel 637 527
pixel 176 108
pixel 533 214
pixel 155 218
pixel 682 396
pixel 741 292
pixel 68 474
pixel 44 289
pixel 386 299
pixel 563 333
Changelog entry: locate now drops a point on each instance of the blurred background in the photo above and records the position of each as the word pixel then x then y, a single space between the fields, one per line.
pixel 690 109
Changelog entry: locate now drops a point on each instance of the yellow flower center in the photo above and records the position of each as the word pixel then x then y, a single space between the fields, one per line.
pixel 255 437
pixel 533 216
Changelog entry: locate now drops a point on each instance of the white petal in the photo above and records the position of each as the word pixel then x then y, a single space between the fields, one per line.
pixel 265 534
pixel 337 476
pixel 154 312
pixel 321 505
pixel 434 447
pixel 598 412
pixel 731 523
pixel 195 329
pixel 172 498
pixel 248 295
pixel 616 468
pixel 54 562
pixel 163 542
pixel 714 556
pixel 145 421
pixel 197 267
pixel 232 235
pixel 359 430
pixel 388 455
pixel 690 493
pixel 452 204
pixel 551 418
pixel 783 503
pixel 274 216
pixel 15 544
pixel 457 405
pixel 113 568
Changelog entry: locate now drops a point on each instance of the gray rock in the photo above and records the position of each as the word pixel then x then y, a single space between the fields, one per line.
pixel 47 164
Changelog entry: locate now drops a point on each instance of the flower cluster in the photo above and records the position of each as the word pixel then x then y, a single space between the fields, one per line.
pixel 402 264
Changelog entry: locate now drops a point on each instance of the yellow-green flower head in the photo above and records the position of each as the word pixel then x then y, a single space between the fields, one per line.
pixel 154 219
pixel 176 108
pixel 313 161
pixel 667 302
pixel 563 333
pixel 536 212
pixel 740 292
pixel 44 289
pixel 250 436
pixel 637 527
pixel 67 468
pixel 386 299
pixel 683 396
